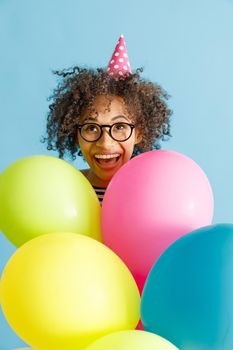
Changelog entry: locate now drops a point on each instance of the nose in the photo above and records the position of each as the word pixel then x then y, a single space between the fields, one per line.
pixel 105 139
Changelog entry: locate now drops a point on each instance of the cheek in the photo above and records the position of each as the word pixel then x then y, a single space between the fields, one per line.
pixel 85 148
pixel 128 149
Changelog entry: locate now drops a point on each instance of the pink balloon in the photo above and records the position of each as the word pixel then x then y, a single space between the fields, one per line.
pixel 153 200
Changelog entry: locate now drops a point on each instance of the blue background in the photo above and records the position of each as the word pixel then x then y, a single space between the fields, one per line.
pixel 186 46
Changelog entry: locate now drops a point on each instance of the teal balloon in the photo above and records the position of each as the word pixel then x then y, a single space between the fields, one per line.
pixel 188 296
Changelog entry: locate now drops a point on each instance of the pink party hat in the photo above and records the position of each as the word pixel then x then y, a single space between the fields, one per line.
pixel 119 62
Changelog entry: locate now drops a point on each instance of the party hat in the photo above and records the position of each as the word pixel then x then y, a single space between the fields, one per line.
pixel 119 62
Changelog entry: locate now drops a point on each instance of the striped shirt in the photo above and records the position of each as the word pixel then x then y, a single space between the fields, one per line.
pixel 100 191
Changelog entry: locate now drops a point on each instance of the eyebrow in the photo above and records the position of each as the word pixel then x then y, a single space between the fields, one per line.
pixel 114 118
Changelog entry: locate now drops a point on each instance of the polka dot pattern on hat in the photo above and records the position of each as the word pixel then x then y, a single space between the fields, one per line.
pixel 119 63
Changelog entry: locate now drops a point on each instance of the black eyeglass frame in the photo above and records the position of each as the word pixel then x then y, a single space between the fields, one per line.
pixel 132 126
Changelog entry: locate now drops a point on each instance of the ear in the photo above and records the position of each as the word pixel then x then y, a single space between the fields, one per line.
pixel 138 136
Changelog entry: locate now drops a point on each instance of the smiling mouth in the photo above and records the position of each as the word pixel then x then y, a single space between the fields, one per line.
pixel 107 160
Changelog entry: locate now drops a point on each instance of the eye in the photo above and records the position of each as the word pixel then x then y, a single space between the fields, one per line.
pixel 91 128
pixel 120 126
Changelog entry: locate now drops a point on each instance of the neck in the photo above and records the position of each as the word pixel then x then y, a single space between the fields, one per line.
pixel 94 180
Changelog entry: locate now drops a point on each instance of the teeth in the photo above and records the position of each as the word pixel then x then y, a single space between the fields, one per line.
pixel 106 156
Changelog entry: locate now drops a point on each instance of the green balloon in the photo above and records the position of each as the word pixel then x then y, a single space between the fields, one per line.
pixel 132 339
pixel 43 194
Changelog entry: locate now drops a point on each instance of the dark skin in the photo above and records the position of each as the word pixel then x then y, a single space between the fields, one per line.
pixel 106 156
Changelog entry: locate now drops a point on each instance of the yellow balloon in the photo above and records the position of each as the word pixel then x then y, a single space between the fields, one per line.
pixel 135 340
pixel 63 291
pixel 43 194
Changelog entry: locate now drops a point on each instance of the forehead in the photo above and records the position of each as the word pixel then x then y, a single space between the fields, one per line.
pixel 106 107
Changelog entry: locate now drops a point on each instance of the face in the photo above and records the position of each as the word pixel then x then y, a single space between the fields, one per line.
pixel 105 156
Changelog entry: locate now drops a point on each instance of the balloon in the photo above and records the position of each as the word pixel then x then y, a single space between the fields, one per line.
pixel 187 297
pixel 8 339
pixel 152 200
pixel 63 291
pixel 135 340
pixel 43 194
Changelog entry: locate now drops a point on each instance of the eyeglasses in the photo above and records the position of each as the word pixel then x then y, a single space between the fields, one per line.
pixel 92 132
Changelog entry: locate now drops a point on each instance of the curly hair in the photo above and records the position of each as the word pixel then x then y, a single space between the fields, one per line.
pixel 77 90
